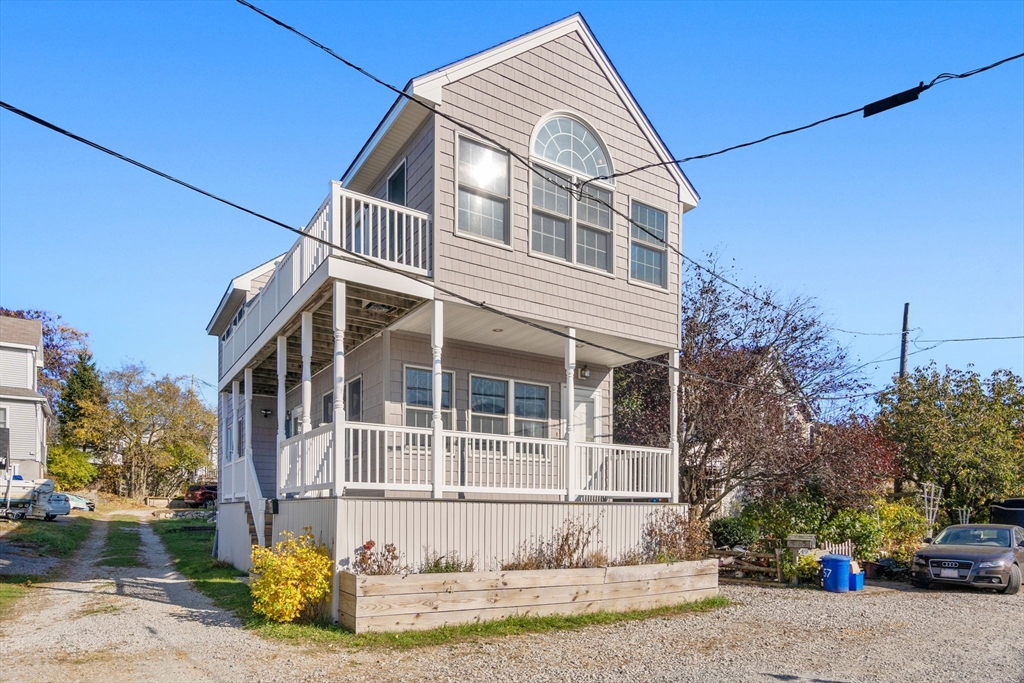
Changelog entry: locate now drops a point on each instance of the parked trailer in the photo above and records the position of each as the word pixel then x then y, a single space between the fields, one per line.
pixel 20 498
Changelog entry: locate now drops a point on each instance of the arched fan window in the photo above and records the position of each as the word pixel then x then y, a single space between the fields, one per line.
pixel 568 151
pixel 567 142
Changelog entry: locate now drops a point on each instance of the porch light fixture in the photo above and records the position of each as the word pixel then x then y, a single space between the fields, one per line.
pixel 266 412
pixel 583 372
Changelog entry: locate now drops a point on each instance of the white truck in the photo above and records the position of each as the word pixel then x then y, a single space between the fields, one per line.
pixel 20 498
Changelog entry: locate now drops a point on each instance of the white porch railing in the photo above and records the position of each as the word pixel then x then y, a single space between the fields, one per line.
pixel 239 483
pixel 306 462
pixel 383 457
pixel 232 480
pixel 379 230
pixel 490 463
pixel 623 471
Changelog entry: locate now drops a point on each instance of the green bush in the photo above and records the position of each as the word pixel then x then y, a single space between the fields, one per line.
pixel 70 468
pixel 732 531
pixel 863 528
pixel 776 519
pixel 903 527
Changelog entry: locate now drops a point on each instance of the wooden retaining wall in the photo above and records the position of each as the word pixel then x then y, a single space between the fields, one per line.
pixel 424 601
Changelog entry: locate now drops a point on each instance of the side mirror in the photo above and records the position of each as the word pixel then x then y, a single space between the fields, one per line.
pixel 928 540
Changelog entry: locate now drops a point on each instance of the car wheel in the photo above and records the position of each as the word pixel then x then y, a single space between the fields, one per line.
pixel 209 503
pixel 50 518
pixel 1013 583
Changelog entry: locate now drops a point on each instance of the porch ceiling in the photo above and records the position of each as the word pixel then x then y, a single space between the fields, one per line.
pixel 473 325
pixel 367 311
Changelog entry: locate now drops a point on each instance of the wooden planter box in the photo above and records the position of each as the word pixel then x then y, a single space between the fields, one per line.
pixel 424 601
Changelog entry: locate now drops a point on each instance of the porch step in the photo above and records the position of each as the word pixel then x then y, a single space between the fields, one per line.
pixel 268 528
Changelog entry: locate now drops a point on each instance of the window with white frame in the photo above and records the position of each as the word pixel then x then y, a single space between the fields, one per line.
pixel 531 410
pixel 396 185
pixel 579 229
pixel 3 418
pixel 354 405
pixel 229 443
pixel 419 398
pixel 493 413
pixel 483 191
pixel 327 414
pixel 648 258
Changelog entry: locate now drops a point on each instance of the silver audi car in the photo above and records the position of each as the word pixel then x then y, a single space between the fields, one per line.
pixel 976 555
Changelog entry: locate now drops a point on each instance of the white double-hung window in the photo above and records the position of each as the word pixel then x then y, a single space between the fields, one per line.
pixel 647 249
pixel 493 413
pixel 483 191
pixel 419 398
pixel 577 229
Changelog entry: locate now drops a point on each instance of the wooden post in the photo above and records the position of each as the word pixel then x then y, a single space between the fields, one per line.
pixel 339 387
pixel 282 375
pixel 673 381
pixel 570 413
pixel 307 393
pixel 436 343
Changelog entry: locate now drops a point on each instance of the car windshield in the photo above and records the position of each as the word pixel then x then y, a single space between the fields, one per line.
pixel 974 536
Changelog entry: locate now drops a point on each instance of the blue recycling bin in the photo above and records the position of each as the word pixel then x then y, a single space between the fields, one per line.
pixel 835 573
pixel 857 581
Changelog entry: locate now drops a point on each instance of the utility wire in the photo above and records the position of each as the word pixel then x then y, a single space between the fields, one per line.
pixel 941 78
pixel 580 191
pixel 377 264
pixel 968 339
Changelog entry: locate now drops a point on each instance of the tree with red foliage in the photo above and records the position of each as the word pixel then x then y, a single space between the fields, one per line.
pixel 756 374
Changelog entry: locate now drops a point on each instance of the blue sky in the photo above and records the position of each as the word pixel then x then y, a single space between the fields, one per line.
pixel 924 203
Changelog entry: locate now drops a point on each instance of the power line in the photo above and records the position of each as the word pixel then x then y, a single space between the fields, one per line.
pixel 968 339
pixel 576 191
pixel 377 264
pixel 941 78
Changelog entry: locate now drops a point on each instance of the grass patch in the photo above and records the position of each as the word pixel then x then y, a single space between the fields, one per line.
pixel 123 544
pixel 191 552
pixel 13 587
pixel 58 539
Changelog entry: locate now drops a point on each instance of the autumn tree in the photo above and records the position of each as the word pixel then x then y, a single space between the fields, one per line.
pixel 153 432
pixel 756 374
pixel 961 431
pixel 61 346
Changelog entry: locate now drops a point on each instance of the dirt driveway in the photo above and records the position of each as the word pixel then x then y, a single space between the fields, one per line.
pixel 148 624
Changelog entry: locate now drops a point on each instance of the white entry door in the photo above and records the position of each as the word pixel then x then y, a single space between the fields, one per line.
pixel 585 411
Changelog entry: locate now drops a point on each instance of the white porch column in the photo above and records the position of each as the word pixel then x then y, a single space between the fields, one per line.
pixel 282 395
pixel 307 394
pixel 673 382
pixel 571 470
pixel 236 411
pixel 307 359
pixel 436 342
pixel 339 387
pixel 248 413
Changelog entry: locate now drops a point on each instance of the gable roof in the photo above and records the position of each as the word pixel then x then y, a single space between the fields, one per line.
pixel 237 292
pixel 429 89
pixel 21 331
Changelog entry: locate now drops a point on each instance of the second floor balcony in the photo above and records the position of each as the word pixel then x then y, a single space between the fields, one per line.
pixel 348 225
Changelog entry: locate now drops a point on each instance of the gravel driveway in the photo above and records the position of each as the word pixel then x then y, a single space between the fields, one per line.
pixel 148 624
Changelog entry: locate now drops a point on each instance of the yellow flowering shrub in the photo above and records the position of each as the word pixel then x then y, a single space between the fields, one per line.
pixel 290 579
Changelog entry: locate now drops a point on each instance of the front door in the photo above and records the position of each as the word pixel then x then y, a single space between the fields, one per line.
pixel 585 413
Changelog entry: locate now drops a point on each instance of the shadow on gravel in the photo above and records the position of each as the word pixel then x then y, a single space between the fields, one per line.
pixel 801 679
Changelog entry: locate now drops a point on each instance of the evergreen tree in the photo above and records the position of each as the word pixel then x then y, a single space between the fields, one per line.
pixel 83 385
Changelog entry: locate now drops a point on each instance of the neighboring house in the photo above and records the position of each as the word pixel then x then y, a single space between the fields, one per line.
pixel 24 412
pixel 368 404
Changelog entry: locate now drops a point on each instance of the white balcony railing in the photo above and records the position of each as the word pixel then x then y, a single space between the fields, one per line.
pixel 382 457
pixel 373 228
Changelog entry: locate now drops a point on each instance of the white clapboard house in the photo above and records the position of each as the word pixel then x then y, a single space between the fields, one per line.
pixel 363 395
pixel 24 411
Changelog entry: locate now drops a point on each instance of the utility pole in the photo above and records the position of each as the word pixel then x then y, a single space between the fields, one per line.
pixel 905 340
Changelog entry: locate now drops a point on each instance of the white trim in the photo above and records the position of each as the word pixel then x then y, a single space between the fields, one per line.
pixel 405 187
pixel 430 86
pixel 665 248
pixel 24 347
pixel 507 198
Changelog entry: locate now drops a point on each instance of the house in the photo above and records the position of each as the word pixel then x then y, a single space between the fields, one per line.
pixel 432 364
pixel 24 412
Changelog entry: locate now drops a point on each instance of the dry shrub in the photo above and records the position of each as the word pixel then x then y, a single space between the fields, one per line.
pixel 567 549
pixel 291 579
pixel 668 536
pixel 434 563
pixel 378 562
